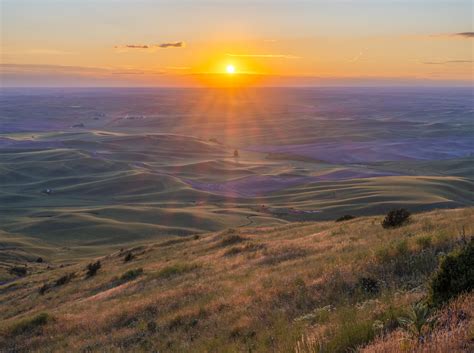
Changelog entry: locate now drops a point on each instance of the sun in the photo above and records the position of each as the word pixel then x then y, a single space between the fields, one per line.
pixel 230 69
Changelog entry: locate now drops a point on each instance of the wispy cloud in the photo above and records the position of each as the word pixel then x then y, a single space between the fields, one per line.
pixel 465 34
pixel 268 56
pixel 457 35
pixel 172 45
pixel 74 70
pixel 134 46
pixel 448 62
pixel 179 44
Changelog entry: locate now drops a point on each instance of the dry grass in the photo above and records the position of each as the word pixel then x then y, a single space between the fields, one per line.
pixel 246 290
pixel 454 333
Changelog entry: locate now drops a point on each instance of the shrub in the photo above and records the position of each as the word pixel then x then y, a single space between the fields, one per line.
pixel 369 285
pixel 424 241
pixel 131 274
pixel 454 275
pixel 31 323
pixel 232 239
pixel 44 288
pixel 346 217
pixel 401 247
pixel 396 218
pixel 65 279
pixel 177 269
pixel 128 257
pixel 18 271
pixel 419 320
pixel 92 268
pixel 250 247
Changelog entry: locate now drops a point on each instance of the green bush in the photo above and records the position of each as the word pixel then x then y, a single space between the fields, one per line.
pixel 128 257
pixel 18 271
pixel 44 288
pixel 31 323
pixel 346 217
pixel 175 270
pixel 419 321
pixel 396 218
pixel 64 279
pixel 369 285
pixel 232 239
pixel 92 268
pixel 131 274
pixel 454 276
pixel 424 241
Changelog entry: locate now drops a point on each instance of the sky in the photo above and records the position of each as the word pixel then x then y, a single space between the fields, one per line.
pixel 269 42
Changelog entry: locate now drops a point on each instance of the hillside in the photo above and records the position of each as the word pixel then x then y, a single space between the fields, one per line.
pixel 300 287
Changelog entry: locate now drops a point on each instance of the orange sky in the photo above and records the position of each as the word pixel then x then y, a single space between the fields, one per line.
pixel 123 42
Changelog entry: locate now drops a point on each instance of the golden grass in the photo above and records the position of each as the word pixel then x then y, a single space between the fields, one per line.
pixel 279 289
pixel 454 333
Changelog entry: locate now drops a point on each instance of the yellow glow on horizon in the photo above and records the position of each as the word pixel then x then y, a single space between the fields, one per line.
pixel 230 69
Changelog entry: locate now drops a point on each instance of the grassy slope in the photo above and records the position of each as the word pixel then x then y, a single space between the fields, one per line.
pixel 258 290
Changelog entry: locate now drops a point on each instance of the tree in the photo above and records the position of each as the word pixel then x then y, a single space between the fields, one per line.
pixel 92 268
pixel 396 218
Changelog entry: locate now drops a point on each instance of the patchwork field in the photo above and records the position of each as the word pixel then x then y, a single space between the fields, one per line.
pixel 83 172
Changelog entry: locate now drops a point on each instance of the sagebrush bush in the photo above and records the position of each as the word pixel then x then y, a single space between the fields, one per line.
pixel 232 239
pixel 64 279
pixel 424 241
pixel 30 324
pixel 396 218
pixel 346 217
pixel 131 274
pixel 44 288
pixel 18 271
pixel 175 270
pixel 454 276
pixel 92 268
pixel 128 257
pixel 369 285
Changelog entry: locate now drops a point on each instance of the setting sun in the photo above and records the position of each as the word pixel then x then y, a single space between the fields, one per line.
pixel 230 69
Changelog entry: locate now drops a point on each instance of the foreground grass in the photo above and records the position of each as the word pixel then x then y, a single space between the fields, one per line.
pixel 304 287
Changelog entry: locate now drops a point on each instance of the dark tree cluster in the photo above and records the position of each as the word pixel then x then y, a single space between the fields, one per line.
pixel 92 268
pixel 396 218
pixel 346 217
pixel 454 276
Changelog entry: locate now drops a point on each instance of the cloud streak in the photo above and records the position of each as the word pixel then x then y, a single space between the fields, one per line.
pixel 448 62
pixel 172 45
pixel 179 44
pixel 465 34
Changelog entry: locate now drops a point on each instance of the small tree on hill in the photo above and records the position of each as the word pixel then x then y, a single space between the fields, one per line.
pixel 92 268
pixel 128 257
pixel 396 218
pixel 346 217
